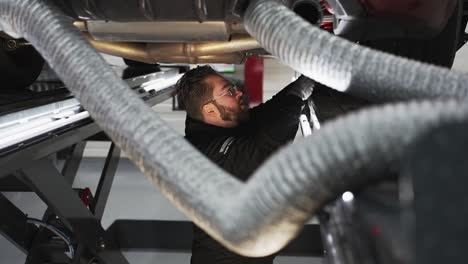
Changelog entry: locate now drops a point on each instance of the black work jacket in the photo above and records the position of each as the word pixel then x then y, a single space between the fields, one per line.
pixel 240 151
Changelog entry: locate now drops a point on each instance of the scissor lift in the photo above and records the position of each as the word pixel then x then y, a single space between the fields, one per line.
pixel 56 123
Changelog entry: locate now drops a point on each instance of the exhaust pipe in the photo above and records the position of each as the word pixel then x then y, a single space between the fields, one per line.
pixel 127 50
pixel 230 58
pixel 214 52
pixel 236 44
pixel 161 31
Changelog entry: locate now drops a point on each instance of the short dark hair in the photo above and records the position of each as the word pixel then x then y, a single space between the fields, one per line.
pixel 193 90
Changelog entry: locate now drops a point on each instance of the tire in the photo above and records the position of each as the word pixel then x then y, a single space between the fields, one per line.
pixel 439 50
pixel 19 68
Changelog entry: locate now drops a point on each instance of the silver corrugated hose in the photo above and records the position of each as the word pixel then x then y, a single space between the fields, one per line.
pixel 261 216
pixel 343 65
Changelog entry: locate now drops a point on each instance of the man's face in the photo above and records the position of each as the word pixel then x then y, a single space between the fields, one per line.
pixel 231 104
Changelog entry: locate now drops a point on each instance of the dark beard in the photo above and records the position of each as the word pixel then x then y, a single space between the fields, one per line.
pixel 222 111
pixel 226 115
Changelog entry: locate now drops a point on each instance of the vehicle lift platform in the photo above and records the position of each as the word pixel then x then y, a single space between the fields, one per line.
pixel 34 129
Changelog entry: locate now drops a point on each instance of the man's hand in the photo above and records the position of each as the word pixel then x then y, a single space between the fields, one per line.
pixel 302 87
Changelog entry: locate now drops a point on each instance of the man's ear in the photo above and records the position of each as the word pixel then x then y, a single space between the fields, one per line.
pixel 209 109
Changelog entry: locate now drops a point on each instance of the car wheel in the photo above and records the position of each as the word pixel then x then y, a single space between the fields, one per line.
pixel 19 65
